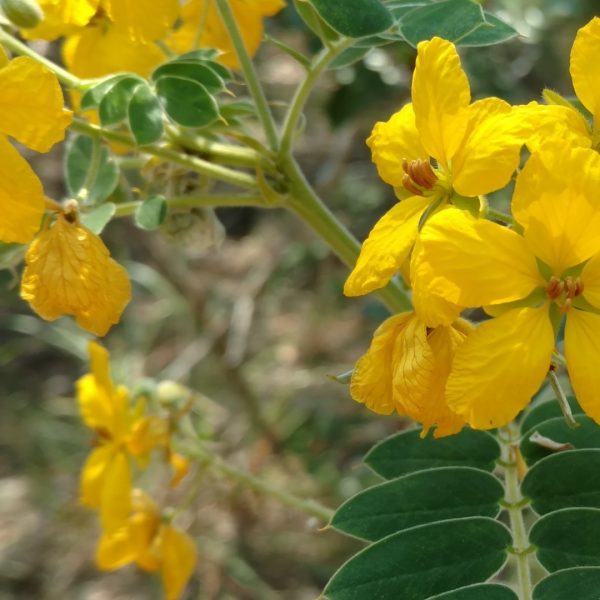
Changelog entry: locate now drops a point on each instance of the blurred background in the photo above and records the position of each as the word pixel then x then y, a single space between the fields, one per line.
pixel 254 325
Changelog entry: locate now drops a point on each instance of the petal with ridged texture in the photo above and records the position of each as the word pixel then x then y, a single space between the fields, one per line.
pixel 500 366
pixel 393 140
pixel 473 262
pixel 387 246
pixel 582 352
pixel 70 272
pixel 440 96
pixel 21 197
pixel 585 66
pixel 371 382
pixel 32 104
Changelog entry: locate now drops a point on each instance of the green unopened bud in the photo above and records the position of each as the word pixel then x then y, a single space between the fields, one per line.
pixel 22 13
pixel 171 392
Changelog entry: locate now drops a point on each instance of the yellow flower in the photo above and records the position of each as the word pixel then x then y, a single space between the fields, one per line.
pixel 201 26
pixel 530 282
pixel 106 480
pixel 152 544
pixel 405 369
pixel 475 149
pixel 31 111
pixel 69 271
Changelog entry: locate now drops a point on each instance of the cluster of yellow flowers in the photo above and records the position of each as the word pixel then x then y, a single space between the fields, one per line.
pixel 108 36
pixel 134 530
pixel 442 154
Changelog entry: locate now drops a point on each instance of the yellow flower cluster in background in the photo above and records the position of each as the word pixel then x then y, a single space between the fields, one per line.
pixel 134 530
pixel 107 36
pixel 443 154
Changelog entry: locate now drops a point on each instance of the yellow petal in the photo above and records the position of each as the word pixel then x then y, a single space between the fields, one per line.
pixel 393 140
pixel 93 475
pixel 98 51
pixel 115 499
pixel 387 246
pixel 69 272
pixel 143 20
pixel 500 366
pixel 94 406
pixel 32 104
pixel 473 262
pixel 371 382
pixel 21 197
pixel 440 95
pixel 115 549
pixel 490 153
pixel 148 433
pixel 179 561
pixel 62 17
pixel 180 465
pixel 585 67
pixel 590 276
pixel 560 216
pixel 582 351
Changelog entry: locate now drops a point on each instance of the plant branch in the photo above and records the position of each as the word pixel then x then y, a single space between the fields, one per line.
pixel 193 163
pixel 249 71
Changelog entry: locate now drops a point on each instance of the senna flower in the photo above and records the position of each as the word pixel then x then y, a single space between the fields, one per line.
pixel 440 148
pixel 529 282
pixel 152 543
pixel 121 433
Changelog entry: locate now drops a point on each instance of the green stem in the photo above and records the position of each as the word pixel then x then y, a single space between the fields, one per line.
pixel 302 92
pixel 18 47
pixel 93 170
pixel 309 507
pixel 209 200
pixel 515 506
pixel 305 203
pixel 256 90
pixel 193 163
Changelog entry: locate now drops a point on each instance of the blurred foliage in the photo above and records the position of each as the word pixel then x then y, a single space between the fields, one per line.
pixel 254 327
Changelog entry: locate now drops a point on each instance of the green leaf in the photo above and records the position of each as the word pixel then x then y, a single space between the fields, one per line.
pixel 349 57
pixel 484 591
pixel 549 409
pixel 417 563
pixel 580 583
pixel 577 485
pixel 114 104
pixel 587 435
pixel 195 71
pixel 354 18
pixel 77 164
pixel 568 538
pixel 406 452
pixel 493 31
pixel 97 219
pixel 450 19
pixel 419 498
pixel 312 20
pixel 187 102
pixel 145 116
pixel 93 96
pixel 151 213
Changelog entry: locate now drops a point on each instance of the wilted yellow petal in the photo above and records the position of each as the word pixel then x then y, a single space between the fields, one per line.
pixel 387 246
pixel 98 51
pixel 143 20
pixel 582 351
pixel 499 367
pixel 178 561
pixel 440 95
pixel 32 104
pixel 62 17
pixel 69 272
pixel 490 152
pixel 393 140
pixel 21 197
pixel 371 382
pixel 93 475
pixel 585 67
pixel 561 218
pixel 474 262
pixel 115 500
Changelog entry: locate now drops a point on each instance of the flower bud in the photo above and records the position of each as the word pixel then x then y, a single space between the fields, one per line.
pixel 22 13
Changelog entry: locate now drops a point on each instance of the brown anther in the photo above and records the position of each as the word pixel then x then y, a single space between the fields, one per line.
pixel 553 289
pixel 408 184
